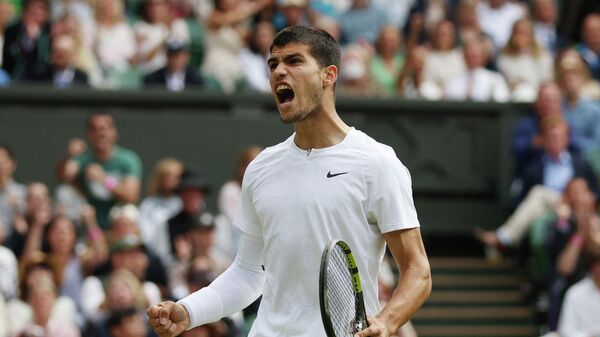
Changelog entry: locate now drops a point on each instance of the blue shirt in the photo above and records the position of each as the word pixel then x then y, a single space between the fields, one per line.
pixel 584 121
pixel 557 173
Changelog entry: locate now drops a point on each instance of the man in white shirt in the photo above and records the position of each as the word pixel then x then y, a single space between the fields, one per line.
pixel 581 308
pixel 476 83
pixel 326 181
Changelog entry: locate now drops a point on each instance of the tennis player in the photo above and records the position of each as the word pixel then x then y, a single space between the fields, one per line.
pixel 328 180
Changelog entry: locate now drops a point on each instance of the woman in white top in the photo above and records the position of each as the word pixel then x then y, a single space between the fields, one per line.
pixel 444 60
pixel 157 27
pixel 524 63
pixel 160 205
pixel 114 41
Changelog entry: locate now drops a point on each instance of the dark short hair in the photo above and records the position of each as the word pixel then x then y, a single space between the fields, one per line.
pixel 322 46
pixel 88 122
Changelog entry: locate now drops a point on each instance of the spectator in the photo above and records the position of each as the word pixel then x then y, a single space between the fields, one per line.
pixel 156 29
pixel 34 271
pixel 291 13
pixel 82 33
pixel 362 23
pixel 177 75
pixel 476 83
pixel 9 276
pixel 581 307
pixel 128 322
pixel 58 239
pixel 412 83
pixel 38 214
pixel 41 297
pixel 497 18
pixel 12 195
pixel 444 61
pixel 159 206
pixel 192 190
pixel 61 72
pixel 582 113
pixel 526 140
pixel 388 60
pixel 199 243
pixel 6 13
pixel 27 42
pixel 543 180
pixel 69 201
pixel 469 27
pixel 524 63
pixel 355 77
pixel 575 76
pixel 254 57
pixel 107 173
pixel 115 44
pixel 545 17
pixel 228 201
pixel 570 249
pixel 128 266
pixel 589 48
pixel 227 27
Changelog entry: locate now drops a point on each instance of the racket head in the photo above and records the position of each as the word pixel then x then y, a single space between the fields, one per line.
pixel 340 291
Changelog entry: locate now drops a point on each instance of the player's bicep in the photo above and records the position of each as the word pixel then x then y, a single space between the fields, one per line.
pixel 407 248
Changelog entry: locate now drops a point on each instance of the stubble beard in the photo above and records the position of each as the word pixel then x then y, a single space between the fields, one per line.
pixel 315 105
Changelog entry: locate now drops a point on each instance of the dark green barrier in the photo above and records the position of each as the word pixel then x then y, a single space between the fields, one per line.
pixel 457 153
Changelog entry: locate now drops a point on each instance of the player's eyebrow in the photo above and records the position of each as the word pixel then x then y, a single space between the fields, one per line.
pixel 285 58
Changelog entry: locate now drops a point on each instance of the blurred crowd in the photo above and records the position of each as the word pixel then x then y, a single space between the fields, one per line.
pixel 480 50
pixel 87 258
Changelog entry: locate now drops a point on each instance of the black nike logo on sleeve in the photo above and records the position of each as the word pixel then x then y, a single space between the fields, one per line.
pixel 331 175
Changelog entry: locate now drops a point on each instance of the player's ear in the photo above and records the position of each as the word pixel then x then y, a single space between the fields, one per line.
pixel 330 74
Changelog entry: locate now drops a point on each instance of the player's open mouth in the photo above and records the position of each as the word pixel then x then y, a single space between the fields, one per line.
pixel 285 94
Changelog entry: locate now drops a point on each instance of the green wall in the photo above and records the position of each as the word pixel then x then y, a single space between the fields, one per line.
pixel 457 153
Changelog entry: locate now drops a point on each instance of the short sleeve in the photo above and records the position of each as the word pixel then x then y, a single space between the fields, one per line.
pixel 133 167
pixel 390 203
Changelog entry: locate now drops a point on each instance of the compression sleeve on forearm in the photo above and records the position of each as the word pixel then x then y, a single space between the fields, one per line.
pixel 235 289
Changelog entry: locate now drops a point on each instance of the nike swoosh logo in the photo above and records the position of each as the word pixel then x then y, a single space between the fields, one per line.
pixel 330 175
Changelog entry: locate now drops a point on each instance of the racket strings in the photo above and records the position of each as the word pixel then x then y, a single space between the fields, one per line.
pixel 340 294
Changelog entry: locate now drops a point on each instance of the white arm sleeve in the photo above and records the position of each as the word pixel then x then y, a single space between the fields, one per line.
pixel 240 285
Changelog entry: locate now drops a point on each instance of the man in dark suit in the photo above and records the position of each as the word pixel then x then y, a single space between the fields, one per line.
pixel 61 71
pixel 177 75
pixel 27 42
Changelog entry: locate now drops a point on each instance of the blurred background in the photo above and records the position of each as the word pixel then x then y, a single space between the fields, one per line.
pixel 126 127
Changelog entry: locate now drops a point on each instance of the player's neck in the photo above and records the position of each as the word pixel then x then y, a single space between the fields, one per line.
pixel 323 129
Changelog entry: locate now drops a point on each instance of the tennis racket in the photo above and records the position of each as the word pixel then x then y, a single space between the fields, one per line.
pixel 340 292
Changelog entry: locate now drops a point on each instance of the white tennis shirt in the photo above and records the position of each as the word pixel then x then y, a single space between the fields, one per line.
pixel 298 200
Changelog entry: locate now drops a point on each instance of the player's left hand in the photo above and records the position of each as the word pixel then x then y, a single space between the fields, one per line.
pixel 377 328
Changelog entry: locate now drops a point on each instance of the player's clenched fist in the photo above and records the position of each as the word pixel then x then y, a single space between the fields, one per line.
pixel 168 319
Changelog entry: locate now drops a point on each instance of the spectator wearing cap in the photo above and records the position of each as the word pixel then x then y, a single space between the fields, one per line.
pixel 177 75
pixel 198 245
pixel 158 25
pixel 192 190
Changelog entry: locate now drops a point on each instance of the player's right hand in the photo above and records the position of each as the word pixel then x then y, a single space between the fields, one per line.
pixel 168 319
